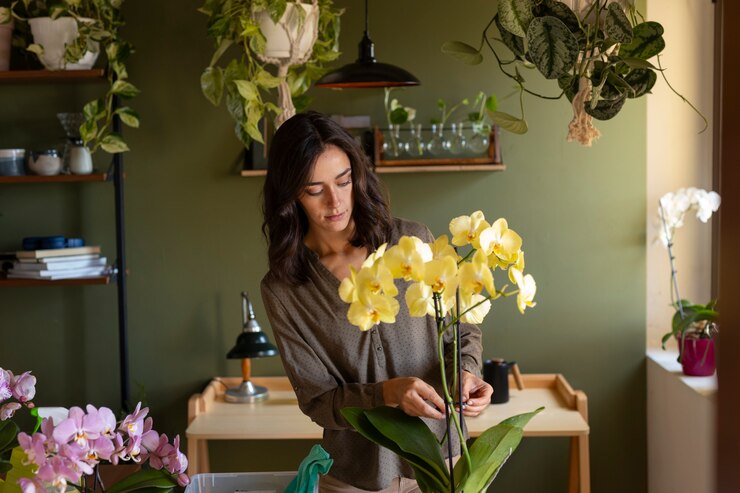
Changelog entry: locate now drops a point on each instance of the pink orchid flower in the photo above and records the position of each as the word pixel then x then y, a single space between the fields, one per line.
pixel 75 457
pixel 8 409
pixel 34 447
pixel 23 387
pixel 119 450
pixel 57 472
pixel 133 424
pixel 5 391
pixel 32 485
pixel 109 419
pixel 79 427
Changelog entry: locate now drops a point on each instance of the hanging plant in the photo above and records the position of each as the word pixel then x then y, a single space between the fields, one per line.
pixel 599 52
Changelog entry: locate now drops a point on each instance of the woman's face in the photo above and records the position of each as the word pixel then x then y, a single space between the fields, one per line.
pixel 327 198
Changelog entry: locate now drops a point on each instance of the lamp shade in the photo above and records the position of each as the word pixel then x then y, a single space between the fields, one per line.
pixel 366 71
pixel 252 342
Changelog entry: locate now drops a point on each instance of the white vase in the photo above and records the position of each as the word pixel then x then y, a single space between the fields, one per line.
pixel 53 35
pixel 6 35
pixel 278 42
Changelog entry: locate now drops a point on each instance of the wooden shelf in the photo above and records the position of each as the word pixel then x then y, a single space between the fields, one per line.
pixel 96 177
pixel 411 169
pixel 4 282
pixel 14 76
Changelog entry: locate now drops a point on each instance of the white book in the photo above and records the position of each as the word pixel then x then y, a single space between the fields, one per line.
pixel 59 266
pixel 54 260
pixel 52 275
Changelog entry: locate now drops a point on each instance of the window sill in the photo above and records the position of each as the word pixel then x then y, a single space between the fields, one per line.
pixel 705 386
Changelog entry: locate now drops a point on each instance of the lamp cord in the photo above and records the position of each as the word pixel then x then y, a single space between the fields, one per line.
pixel 366 32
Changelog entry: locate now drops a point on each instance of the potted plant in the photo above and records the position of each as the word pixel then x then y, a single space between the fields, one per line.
pixel 305 38
pixel 96 24
pixel 694 325
pixel 599 54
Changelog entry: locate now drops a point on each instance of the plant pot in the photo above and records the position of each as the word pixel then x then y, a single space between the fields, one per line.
pixel 6 35
pixel 697 356
pixel 53 35
pixel 278 35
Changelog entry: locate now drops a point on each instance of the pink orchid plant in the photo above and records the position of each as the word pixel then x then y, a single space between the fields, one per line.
pixel 66 453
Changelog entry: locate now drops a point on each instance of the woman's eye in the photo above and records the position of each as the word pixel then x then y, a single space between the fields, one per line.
pixel 346 183
pixel 313 192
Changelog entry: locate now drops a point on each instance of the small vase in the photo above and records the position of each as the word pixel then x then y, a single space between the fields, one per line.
pixel 437 145
pixel 392 145
pixel 697 356
pixel 478 142
pixel 457 142
pixel 415 145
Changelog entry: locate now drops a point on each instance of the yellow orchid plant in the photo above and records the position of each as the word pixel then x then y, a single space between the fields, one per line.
pixel 452 289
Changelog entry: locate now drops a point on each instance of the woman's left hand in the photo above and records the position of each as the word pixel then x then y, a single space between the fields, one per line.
pixel 476 394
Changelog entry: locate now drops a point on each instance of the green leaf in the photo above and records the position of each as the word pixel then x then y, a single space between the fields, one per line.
pixel 88 131
pixel 8 431
pixel 267 80
pixel 124 89
pixel 491 449
pixel 509 122
pixel 145 478
pixel 128 116
pixel 463 52
pixel 5 466
pixel 617 26
pixel 512 41
pixel 647 41
pixel 638 63
pixel 357 418
pixel 569 85
pixel 113 144
pixel 515 15
pixel 36 48
pixel 212 84
pixel 94 110
pixel 300 102
pixel 222 47
pixel 552 46
pixel 253 131
pixel 641 81
pixel 19 470
pixel 560 11
pixel 247 90
pixel 491 103
pixel 399 116
pixel 606 109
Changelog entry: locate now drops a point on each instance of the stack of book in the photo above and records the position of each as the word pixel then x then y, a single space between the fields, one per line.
pixel 59 263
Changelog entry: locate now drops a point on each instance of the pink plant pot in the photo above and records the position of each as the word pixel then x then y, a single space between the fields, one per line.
pixel 697 357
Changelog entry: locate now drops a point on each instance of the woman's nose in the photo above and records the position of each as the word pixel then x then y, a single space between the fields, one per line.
pixel 332 197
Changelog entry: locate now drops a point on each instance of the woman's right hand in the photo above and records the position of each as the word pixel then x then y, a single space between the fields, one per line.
pixel 414 396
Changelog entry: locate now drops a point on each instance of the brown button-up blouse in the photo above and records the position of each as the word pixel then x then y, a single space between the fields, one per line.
pixel 332 364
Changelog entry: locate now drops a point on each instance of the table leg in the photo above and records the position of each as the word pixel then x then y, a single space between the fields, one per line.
pixel 198 462
pixel 584 468
pixel 573 467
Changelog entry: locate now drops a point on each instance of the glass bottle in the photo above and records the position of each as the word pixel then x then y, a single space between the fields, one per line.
pixel 415 145
pixel 458 141
pixel 437 145
pixel 392 141
pixel 478 142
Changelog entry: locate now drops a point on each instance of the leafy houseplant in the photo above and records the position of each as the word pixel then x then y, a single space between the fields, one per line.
pixel 245 81
pixel 599 55
pixel 67 453
pixel 451 289
pixel 98 23
pixel 690 321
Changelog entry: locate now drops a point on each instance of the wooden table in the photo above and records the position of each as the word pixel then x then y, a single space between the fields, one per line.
pixel 279 418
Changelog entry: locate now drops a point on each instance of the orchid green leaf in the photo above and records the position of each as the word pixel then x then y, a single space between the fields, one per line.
pixel 144 479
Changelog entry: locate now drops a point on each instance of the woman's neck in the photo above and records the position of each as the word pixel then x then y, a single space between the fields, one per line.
pixel 327 244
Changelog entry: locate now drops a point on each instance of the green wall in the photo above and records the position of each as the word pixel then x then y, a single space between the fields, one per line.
pixel 194 241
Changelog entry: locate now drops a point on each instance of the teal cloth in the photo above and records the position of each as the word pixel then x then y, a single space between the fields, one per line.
pixel 317 461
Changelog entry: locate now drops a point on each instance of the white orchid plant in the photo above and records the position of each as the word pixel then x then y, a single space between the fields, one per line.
pixel 452 289
pixel 689 319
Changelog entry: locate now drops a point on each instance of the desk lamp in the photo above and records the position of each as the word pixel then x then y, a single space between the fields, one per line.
pixel 251 343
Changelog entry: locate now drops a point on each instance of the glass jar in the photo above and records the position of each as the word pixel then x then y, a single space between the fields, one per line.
pixel 415 145
pixel 478 142
pixel 437 145
pixel 392 141
pixel 457 141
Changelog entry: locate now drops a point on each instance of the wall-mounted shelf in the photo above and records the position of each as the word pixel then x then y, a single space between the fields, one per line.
pixel 59 282
pixel 94 177
pixel 410 169
pixel 16 76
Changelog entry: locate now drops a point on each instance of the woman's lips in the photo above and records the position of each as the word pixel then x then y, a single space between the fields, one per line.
pixel 336 217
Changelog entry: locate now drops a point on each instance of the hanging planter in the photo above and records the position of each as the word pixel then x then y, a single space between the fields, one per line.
pixel 51 38
pixel 295 31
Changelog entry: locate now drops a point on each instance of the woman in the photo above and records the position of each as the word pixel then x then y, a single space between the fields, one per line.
pixel 324 212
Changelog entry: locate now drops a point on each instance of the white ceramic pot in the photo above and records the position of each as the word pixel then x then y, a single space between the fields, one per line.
pixel 45 163
pixel 278 42
pixel 53 35
pixel 6 35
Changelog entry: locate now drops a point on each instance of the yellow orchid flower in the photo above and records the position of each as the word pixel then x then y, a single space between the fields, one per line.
pixel 466 229
pixel 477 314
pixel 406 259
pixel 374 280
pixel 500 243
pixel 347 288
pixel 527 289
pixel 518 264
pixel 476 275
pixel 440 273
pixel 375 256
pixel 419 300
pixel 442 248
pixel 371 310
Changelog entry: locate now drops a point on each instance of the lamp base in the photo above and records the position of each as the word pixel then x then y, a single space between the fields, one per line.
pixel 246 392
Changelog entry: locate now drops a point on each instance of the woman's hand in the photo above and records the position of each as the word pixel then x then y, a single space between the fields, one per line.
pixel 414 396
pixel 476 394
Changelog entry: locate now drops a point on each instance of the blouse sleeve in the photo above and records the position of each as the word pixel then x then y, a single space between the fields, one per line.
pixel 320 396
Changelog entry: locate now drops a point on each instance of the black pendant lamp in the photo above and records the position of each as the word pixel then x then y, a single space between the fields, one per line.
pixel 366 71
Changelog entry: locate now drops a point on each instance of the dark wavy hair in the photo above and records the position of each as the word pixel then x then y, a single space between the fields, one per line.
pixel 293 153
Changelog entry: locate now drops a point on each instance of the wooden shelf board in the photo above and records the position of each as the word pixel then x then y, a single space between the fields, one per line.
pixel 54 179
pixel 4 282
pixel 411 169
pixel 51 75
